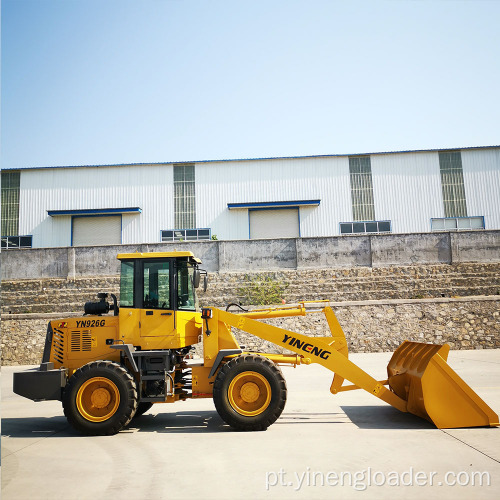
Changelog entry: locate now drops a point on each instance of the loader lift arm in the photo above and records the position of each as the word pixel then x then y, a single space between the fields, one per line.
pixel 419 379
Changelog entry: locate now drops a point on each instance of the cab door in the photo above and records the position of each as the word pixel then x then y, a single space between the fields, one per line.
pixel 157 315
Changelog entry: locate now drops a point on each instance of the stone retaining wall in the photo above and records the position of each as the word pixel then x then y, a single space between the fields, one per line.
pixel 409 304
pixel 371 326
pixel 23 341
pixel 48 295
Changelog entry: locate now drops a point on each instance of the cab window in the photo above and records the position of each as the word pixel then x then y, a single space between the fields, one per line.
pixel 156 285
pixel 127 284
pixel 186 297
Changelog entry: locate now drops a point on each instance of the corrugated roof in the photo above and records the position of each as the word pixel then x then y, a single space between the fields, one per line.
pixel 253 159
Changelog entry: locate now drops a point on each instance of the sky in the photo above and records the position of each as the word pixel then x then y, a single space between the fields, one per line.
pixel 89 82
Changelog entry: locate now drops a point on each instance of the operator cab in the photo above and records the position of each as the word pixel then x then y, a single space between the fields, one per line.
pixel 158 301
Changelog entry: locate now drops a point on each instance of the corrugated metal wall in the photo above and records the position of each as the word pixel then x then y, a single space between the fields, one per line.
pixel 406 188
pixel 482 184
pixel 220 183
pixel 149 187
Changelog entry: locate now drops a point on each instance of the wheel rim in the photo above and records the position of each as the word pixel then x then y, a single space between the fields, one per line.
pixel 98 399
pixel 249 393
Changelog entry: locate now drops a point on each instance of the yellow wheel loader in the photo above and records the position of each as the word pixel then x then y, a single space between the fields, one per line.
pixel 114 362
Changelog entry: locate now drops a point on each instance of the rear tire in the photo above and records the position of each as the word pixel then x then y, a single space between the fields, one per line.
pixel 100 398
pixel 250 392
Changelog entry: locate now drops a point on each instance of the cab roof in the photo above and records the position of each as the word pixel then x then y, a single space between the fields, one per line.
pixel 158 255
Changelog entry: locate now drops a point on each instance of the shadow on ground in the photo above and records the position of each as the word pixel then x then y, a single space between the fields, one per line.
pixel 34 427
pixel 179 422
pixel 176 422
pixel 192 422
pixel 384 417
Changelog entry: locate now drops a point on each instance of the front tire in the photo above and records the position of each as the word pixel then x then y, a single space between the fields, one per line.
pixel 250 392
pixel 100 398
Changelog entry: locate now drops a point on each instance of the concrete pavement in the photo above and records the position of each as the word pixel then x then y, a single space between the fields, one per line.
pixel 323 446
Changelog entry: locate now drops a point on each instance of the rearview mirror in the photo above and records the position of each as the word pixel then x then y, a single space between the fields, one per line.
pixel 196 278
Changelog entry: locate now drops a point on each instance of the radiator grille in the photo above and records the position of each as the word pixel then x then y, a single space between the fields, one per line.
pixel 81 340
pixel 58 345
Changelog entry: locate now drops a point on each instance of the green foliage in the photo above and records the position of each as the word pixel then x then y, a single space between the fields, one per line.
pixel 261 290
pixel 214 237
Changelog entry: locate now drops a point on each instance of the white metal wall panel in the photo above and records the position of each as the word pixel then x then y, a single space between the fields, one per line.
pixel 149 187
pixel 274 223
pixel 481 170
pixel 89 231
pixel 294 179
pixel 407 190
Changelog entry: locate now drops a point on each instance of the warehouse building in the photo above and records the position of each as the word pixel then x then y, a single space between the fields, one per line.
pixel 397 192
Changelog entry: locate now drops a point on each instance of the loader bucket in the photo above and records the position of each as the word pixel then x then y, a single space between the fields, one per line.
pixel 419 374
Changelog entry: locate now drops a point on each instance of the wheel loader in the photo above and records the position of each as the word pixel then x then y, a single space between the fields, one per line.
pixel 117 360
